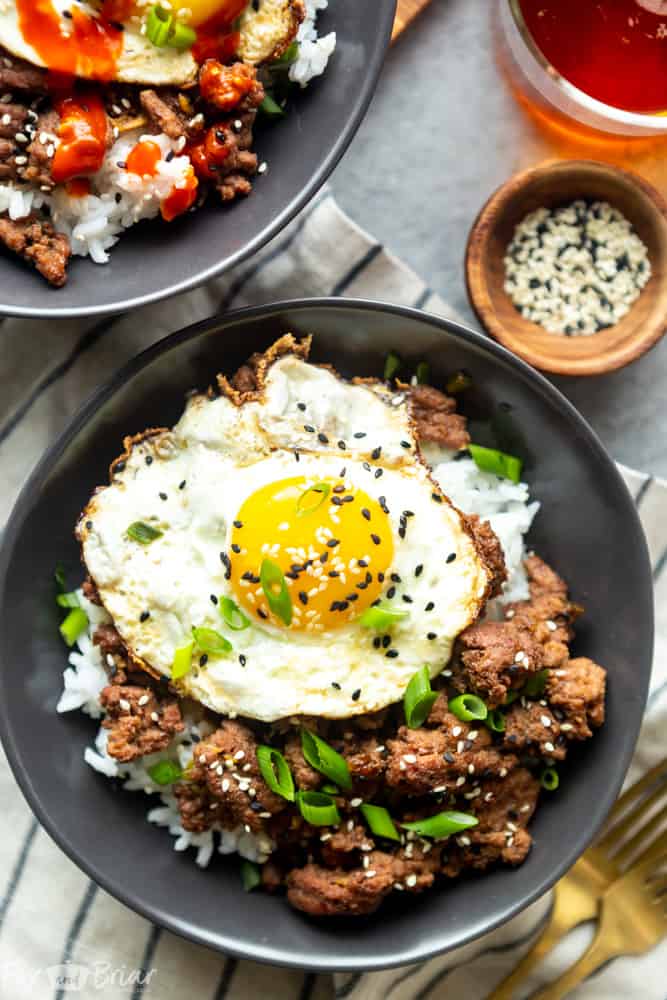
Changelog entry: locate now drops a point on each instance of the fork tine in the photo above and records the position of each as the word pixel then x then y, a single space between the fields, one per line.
pixel 630 817
pixel 622 857
pixel 651 860
pixel 639 787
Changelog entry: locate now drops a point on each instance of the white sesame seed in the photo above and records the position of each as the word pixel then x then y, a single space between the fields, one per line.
pixel 460 781
pixel 456 731
pixel 411 881
pixel 549 747
pixel 409 758
pixel 551 625
pixel 225 785
pixel 355 803
pixel 545 720
pixel 124 704
pixel 565 727
pixel 143 700
pixel 371 873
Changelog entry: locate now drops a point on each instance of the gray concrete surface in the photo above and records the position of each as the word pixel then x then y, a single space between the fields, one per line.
pixel 443 132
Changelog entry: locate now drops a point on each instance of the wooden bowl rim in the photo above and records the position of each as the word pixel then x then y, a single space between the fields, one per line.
pixel 608 359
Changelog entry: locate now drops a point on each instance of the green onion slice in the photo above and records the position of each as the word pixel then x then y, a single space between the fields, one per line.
pixel 59 576
pixel 69 600
pixel 312 498
pixel 511 697
pixel 330 789
pixel 442 825
pixel 250 875
pixel 270 107
pixel 549 779
pixel 381 617
pixel 275 590
pixel 535 684
pixel 182 661
pixel 72 627
pixel 275 771
pixel 391 366
pixel 210 641
pixel 418 699
pixel 165 772
pixel 497 462
pixel 232 614
pixel 317 808
pixel 290 54
pixel 495 720
pixel 325 759
pixel 468 708
pixel 458 382
pixel 379 821
pixel 423 373
pixel 158 25
pixel 143 533
pixel 182 36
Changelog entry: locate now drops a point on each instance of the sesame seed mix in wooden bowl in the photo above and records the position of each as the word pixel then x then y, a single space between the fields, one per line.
pixel 565 266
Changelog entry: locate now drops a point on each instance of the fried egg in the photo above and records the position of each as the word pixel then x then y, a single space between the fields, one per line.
pixel 321 480
pixel 106 39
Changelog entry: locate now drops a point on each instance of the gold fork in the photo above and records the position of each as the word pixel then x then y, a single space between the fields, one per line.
pixel 633 919
pixel 577 896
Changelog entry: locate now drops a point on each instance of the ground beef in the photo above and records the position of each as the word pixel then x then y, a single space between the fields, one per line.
pixel 578 691
pixel 15 74
pixel 532 729
pixel 40 151
pixel 171 112
pixel 542 579
pixel 245 379
pixel 451 758
pixel 436 418
pixel 342 848
pixel 139 722
pixel 225 763
pixel 329 892
pixel 108 639
pixel 13 119
pixel 305 776
pixel 365 756
pixel 35 241
pixel 241 163
pixel 489 548
pixel 494 658
pixel 90 592
pixel 197 808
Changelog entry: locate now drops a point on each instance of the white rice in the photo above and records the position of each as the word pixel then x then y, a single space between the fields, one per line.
pixel 505 505
pixel 314 52
pixel 120 199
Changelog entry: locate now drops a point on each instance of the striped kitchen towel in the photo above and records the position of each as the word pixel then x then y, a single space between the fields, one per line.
pixel 60 933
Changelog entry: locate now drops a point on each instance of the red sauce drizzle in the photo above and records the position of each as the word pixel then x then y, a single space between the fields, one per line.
pixel 144 158
pixel 82 133
pixel 181 198
pixel 91 49
pixel 215 40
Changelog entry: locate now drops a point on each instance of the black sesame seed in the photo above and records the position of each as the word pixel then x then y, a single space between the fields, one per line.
pixel 262 613
pixel 366 466
pixel 395 578
pixel 449 757
pixel 386 641
pixel 431 636
pixel 324 557
pixel 429 606
pixel 343 605
pixel 336 685
pixel 361 586
pixel 214 599
pixel 297 456
pixel 322 438
pixel 375 454
pixel 236 548
pixel 303 597
pixel 407 599
pixel 405 444
pixel 378 473
pixel 256 806
pixel 337 502
pixel 181 485
pixel 309 429
pixel 348 499
pixel 436 497
pixel 391 654
pixel 380 577
pixel 89 525
pixel 419 570
pixel 119 466
pixel 362 562
pixel 238 524
pixel 292 575
pixel 391 592
pixel 342 445
pixel 342 472
pixel 352 597
pixel 383 504
pixel 377 642
pixel 356 695
pixel 242 660
pixel 360 434
pixel 451 557
pixel 149 459
pixel 468 744
pixel 144 616
pixel 365 512
pixel 339 488
pixel 408 513
pixel 375 539
pixel 333 572
pixel 301 406
pixel 203 659
pixel 333 542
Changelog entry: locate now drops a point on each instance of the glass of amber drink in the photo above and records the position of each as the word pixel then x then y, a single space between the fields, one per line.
pixel 603 64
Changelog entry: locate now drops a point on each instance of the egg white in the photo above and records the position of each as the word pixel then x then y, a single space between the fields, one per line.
pixel 222 453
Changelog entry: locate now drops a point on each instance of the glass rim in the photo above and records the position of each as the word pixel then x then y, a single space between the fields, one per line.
pixel 608 111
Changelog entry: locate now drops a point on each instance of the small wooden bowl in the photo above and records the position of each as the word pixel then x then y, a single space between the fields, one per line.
pixel 548 185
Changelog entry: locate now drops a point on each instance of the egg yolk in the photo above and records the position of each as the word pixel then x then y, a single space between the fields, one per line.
pixel 331 541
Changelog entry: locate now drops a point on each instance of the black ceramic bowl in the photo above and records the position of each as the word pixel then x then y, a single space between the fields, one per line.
pixel 587 528
pixel 156 259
